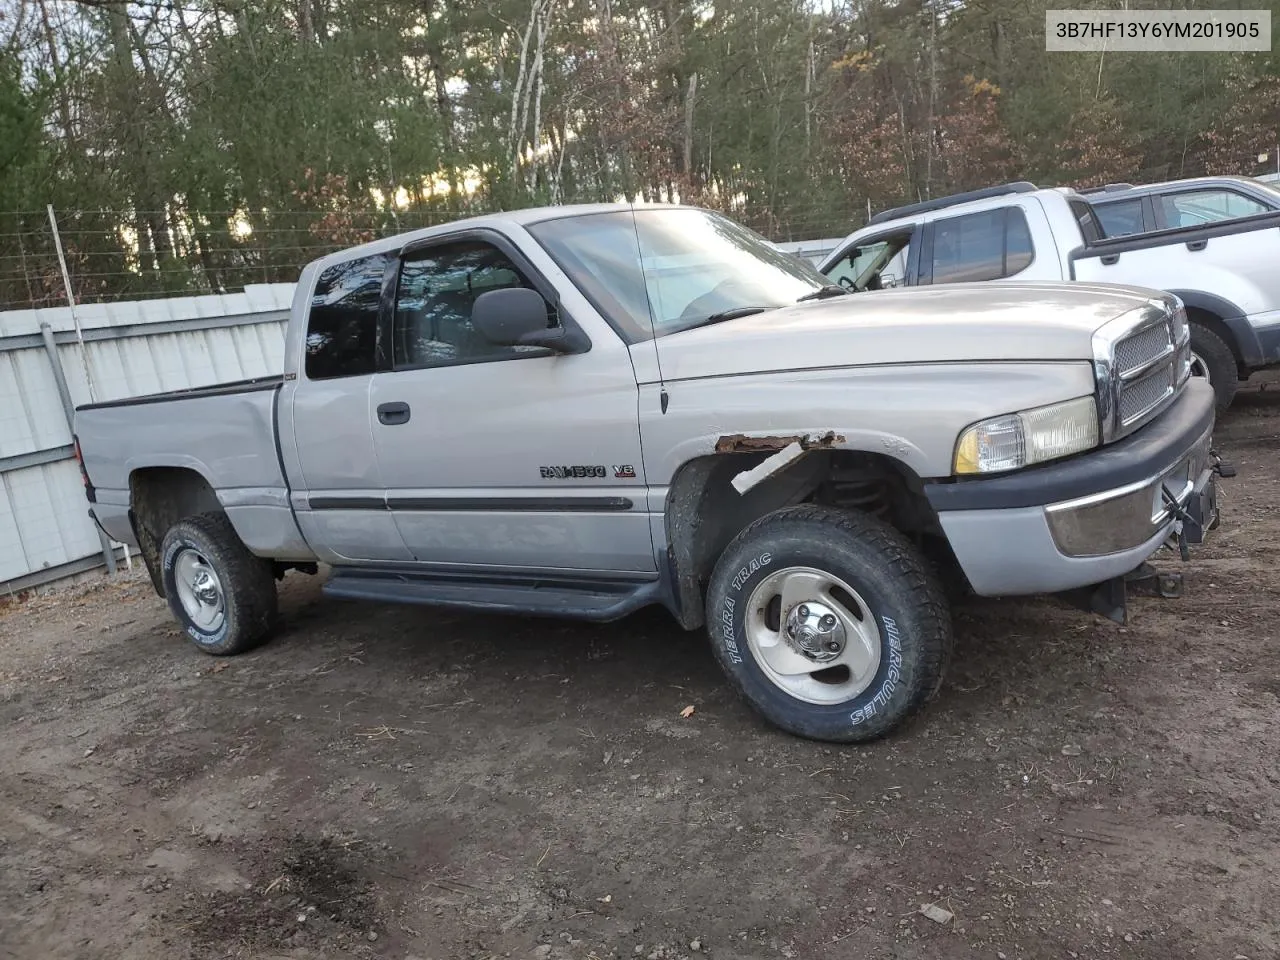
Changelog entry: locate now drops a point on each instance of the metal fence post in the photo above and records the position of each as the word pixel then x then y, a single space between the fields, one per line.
pixel 71 302
pixel 69 411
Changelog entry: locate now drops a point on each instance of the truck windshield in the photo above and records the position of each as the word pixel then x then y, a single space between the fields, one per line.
pixel 660 271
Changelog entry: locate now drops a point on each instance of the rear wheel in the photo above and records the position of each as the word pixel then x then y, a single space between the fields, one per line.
pixel 1213 360
pixel 224 596
pixel 829 623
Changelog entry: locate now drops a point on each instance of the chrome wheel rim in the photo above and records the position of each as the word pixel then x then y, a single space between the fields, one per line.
pixel 199 590
pixel 812 635
pixel 1198 367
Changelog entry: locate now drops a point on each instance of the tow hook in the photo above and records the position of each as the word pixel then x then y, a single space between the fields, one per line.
pixel 1154 583
pixel 1181 521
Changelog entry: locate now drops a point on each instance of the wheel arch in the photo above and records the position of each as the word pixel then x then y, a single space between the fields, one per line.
pixel 703 512
pixel 158 498
pixel 1227 321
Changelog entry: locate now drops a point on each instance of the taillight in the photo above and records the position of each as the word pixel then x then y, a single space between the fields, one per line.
pixel 84 474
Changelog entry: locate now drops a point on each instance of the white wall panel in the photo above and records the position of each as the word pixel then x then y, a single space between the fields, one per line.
pixel 13 559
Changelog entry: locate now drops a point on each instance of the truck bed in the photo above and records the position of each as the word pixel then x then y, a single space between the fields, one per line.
pixel 225 433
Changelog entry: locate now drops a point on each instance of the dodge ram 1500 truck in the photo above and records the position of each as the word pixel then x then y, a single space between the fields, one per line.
pixel 581 411
pixel 1224 272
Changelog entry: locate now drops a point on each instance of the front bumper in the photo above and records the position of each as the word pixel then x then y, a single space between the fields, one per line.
pixel 1091 518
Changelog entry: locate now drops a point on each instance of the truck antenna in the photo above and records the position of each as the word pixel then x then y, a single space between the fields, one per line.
pixel 663 399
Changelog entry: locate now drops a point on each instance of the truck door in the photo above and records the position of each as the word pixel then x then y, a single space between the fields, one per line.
pixel 503 457
pixel 339 498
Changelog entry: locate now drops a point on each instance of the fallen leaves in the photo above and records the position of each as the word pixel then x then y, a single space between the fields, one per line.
pixel 687 712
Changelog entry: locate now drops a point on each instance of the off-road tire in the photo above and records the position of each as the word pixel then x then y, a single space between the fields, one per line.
pixel 892 578
pixel 1224 375
pixel 247 584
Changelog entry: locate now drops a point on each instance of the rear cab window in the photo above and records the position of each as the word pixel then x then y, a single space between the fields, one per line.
pixel 342 324
pixel 1087 220
pixel 1122 218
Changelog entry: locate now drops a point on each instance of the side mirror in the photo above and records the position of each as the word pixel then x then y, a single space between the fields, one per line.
pixel 520 317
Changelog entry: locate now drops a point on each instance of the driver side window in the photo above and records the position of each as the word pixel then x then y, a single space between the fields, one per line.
pixel 875 264
pixel 436 291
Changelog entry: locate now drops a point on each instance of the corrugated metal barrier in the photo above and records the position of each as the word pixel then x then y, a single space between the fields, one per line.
pixel 812 250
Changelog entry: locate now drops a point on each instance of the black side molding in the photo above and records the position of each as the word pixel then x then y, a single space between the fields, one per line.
pixel 478 504
pixel 1138 457
pixel 217 390
pixel 348 503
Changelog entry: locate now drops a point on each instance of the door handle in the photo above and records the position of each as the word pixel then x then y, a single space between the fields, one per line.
pixel 1110 259
pixel 393 414
pixel 1197 244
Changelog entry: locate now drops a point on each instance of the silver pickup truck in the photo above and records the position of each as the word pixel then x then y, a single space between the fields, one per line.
pixel 581 411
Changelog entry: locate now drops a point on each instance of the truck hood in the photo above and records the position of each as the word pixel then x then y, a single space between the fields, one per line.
pixel 975 322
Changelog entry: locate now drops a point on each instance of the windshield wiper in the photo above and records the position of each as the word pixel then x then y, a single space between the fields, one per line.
pixel 823 292
pixel 733 314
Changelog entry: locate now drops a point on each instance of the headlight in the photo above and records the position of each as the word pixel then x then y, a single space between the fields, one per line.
pixel 1032 436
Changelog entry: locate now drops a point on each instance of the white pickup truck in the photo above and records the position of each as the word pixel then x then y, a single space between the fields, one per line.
pixel 1225 273
pixel 581 411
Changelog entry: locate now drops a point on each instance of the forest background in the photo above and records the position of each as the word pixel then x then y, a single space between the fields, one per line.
pixel 192 146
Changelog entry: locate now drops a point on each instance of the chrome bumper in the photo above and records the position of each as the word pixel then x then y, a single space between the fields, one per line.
pixel 1118 520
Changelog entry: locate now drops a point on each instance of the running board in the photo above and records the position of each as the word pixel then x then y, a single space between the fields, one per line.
pixel 575 599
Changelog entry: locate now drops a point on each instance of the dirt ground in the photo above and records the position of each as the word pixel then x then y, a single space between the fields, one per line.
pixel 404 783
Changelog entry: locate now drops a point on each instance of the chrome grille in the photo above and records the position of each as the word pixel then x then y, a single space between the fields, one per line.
pixel 1142 365
pixel 1142 396
pixel 1135 352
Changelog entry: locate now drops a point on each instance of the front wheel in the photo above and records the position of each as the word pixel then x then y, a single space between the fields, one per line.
pixel 224 596
pixel 829 623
